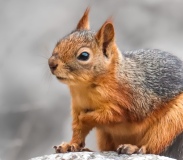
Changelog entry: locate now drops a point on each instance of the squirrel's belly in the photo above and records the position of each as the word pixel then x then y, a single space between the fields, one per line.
pixel 126 133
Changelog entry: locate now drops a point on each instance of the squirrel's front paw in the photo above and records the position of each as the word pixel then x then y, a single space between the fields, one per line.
pixel 67 147
pixel 130 149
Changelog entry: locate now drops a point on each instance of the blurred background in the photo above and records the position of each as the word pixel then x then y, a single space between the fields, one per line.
pixel 34 106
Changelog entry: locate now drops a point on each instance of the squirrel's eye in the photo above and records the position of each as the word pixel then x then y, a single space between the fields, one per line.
pixel 84 56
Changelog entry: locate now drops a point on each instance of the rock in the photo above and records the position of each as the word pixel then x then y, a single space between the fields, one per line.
pixel 100 156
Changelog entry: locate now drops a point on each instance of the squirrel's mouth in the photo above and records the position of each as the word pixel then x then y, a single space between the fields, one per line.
pixel 61 78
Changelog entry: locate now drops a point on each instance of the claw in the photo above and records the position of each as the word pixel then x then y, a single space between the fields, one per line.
pixel 56 149
pixel 69 149
pixel 142 150
pixel 127 149
pixel 72 148
pixel 119 150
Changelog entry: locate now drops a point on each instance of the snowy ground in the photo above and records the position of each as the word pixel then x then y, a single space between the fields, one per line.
pixel 34 106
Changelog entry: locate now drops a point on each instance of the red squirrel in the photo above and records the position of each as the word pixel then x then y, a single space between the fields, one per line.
pixel 134 99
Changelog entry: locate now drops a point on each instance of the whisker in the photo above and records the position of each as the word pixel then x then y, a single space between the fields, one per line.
pixel 42 63
pixel 49 81
pixel 43 57
pixel 46 53
pixel 45 74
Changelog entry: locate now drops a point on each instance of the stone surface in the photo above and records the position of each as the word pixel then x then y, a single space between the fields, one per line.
pixel 99 156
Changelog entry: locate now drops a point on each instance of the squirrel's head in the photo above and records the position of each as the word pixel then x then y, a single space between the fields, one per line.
pixel 84 55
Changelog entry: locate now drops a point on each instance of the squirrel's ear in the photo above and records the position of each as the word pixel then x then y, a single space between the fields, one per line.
pixel 83 23
pixel 105 36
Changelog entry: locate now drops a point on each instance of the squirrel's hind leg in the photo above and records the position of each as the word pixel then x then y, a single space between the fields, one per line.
pixel 105 141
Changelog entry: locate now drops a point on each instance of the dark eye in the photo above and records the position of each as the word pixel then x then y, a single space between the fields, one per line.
pixel 84 56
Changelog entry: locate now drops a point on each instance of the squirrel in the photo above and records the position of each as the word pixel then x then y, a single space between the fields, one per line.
pixel 134 99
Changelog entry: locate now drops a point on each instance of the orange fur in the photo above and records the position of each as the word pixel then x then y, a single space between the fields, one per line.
pixel 147 133
pixel 168 120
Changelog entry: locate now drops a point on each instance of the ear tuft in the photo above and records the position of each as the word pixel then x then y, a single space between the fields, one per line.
pixel 83 23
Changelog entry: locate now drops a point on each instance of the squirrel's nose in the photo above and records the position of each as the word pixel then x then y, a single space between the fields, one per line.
pixel 53 64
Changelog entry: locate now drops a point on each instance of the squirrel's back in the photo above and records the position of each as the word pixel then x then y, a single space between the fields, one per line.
pixel 162 72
